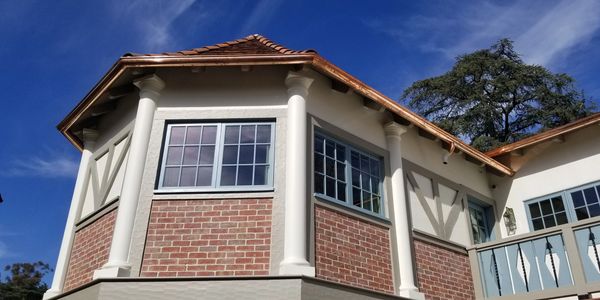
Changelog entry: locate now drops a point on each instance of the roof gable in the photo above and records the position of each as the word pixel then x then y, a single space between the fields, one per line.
pixel 254 44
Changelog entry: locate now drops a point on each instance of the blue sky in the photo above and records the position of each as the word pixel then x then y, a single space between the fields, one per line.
pixel 53 52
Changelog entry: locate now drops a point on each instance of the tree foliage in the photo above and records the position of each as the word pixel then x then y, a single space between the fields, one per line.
pixel 25 281
pixel 491 97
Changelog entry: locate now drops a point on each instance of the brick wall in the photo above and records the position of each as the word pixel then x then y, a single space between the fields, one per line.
pixel 90 250
pixel 443 273
pixel 208 238
pixel 352 251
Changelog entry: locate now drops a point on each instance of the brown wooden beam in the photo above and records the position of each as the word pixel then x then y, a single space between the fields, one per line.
pixel 120 91
pixel 427 134
pixel 339 86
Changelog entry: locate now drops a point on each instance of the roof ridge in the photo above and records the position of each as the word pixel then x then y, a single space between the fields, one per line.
pixel 205 49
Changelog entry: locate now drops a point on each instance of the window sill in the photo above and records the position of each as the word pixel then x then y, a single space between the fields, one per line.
pixel 212 194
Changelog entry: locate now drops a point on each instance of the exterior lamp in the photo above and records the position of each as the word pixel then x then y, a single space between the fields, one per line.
pixel 509 221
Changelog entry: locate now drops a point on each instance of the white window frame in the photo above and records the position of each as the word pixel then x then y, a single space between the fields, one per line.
pixel 218 160
pixel 348 175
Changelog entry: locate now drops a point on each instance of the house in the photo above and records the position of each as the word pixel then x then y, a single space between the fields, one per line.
pixel 249 170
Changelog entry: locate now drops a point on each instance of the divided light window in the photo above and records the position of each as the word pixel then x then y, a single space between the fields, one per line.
pixel 347 175
pixel 218 156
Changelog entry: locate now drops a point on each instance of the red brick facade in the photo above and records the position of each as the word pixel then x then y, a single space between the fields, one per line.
pixel 208 238
pixel 352 251
pixel 90 250
pixel 443 273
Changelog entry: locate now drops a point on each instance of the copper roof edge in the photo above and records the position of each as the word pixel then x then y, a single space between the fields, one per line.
pixel 312 58
pixel 546 135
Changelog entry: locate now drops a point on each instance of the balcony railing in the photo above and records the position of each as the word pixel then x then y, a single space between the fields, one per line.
pixel 554 262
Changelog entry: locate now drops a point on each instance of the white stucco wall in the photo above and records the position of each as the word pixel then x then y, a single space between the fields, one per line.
pixel 550 167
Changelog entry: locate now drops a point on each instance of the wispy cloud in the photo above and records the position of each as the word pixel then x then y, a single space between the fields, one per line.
pixel 543 31
pixel 154 19
pixel 260 15
pixel 53 167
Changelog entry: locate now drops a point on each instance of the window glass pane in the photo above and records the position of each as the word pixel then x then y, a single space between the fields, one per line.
pixel 207 155
pixel 365 182
pixel 230 154
pixel 340 153
pixel 549 221
pixel 248 134
pixel 232 134
pixel 319 187
pixel 174 155
pixel 204 177
pixel 330 187
pixel 366 201
pixel 355 178
pixel 341 190
pixel 228 175
pixel 581 213
pixel 263 134
pixel 534 210
pixel 260 175
pixel 590 196
pixel 341 171
pixel 375 168
pixel 171 176
pixel 329 148
pixel 193 135
pixel 364 164
pixel 376 204
pixel 246 154
pixel 244 175
pixel 318 162
pixel 319 144
pixel 546 207
pixel 190 155
pixel 209 135
pixel 557 204
pixel 577 199
pixel 262 152
pixel 537 224
pixel 354 160
pixel 594 210
pixel 330 167
pixel 188 176
pixel 177 134
pixel 561 218
pixel 356 197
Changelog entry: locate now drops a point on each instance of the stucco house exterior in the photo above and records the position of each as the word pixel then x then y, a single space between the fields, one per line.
pixel 246 170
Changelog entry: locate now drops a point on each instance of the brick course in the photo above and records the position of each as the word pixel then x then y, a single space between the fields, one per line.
pixel 90 250
pixel 352 251
pixel 208 238
pixel 443 273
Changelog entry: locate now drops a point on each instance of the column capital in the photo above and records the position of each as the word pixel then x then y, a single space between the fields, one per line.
pixel 149 83
pixel 298 83
pixel 393 129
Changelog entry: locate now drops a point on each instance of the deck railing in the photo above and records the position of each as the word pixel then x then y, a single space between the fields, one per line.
pixel 554 262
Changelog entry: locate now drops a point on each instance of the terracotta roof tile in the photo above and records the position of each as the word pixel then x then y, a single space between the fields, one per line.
pixel 253 44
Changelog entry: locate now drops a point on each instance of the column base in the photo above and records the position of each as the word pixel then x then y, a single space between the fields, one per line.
pixel 112 272
pixel 51 293
pixel 296 268
pixel 412 293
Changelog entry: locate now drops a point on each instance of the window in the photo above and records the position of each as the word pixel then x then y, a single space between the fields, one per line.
pixel 347 175
pixel 481 219
pixel 567 206
pixel 217 156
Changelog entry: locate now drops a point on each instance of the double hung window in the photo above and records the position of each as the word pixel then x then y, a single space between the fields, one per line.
pixel 217 156
pixel 347 175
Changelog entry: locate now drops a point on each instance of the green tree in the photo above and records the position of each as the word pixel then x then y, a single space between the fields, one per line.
pixel 491 97
pixel 25 281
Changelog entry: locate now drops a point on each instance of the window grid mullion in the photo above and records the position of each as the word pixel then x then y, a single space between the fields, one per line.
pixel 182 155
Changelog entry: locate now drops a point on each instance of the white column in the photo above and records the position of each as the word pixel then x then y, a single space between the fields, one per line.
pixel 118 259
pixel 295 258
pixel 393 132
pixel 60 271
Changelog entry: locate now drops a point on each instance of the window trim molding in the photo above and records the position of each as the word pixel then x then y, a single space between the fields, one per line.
pixel 217 163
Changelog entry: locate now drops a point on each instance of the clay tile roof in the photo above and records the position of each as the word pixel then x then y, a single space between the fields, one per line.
pixel 254 44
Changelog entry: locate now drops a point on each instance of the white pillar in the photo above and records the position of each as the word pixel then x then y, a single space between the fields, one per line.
pixel 393 132
pixel 62 263
pixel 295 258
pixel 118 259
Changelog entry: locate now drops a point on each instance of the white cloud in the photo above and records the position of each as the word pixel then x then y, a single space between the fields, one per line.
pixel 544 31
pixel 260 15
pixel 153 19
pixel 53 167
